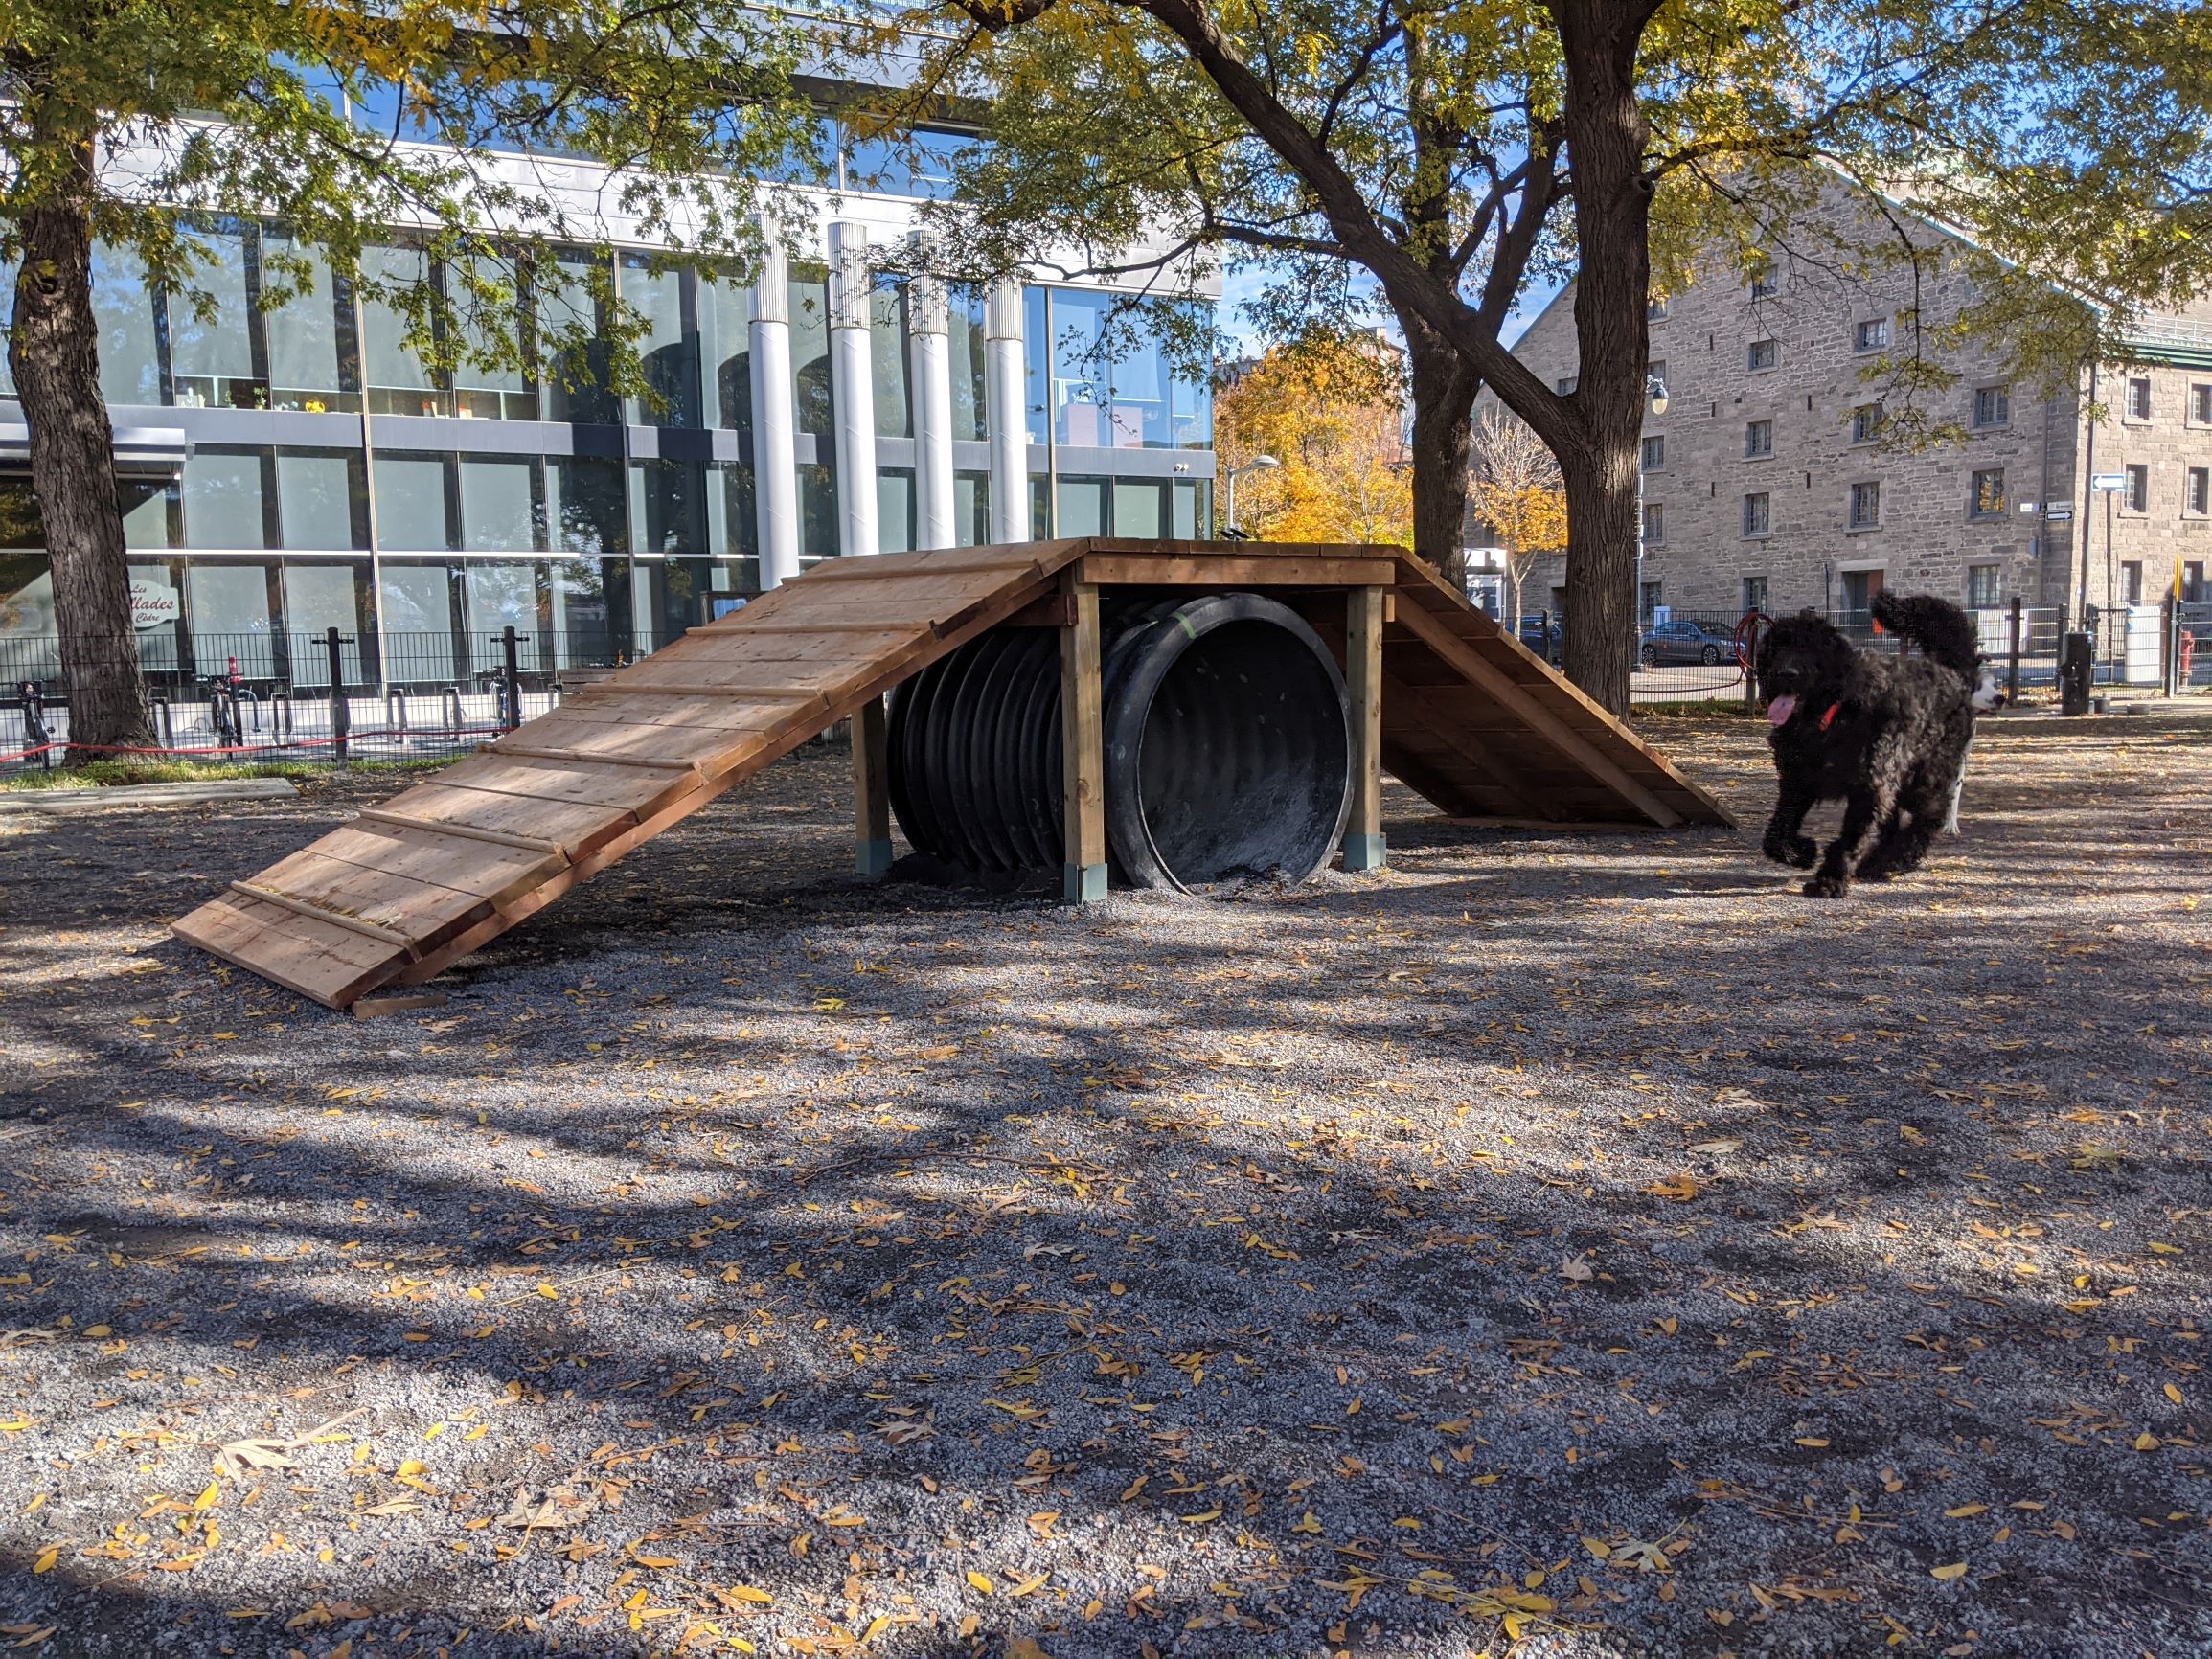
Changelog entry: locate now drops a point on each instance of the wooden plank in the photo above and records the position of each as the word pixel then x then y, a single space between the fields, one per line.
pixel 310 955
pixel 1134 569
pixel 528 752
pixel 614 688
pixel 390 936
pixel 1053 611
pixel 1586 754
pixel 871 790
pixel 1363 842
pixel 469 832
pixel 469 870
pixel 824 625
pixel 1083 749
pixel 413 906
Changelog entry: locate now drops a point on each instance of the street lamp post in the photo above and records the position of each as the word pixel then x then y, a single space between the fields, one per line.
pixel 1655 392
pixel 1258 463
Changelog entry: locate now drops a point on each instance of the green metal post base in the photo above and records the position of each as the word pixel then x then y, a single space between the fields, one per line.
pixel 1082 883
pixel 871 859
pixel 1364 853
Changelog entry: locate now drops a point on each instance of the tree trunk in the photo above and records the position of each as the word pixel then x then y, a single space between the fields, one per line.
pixel 1607 135
pixel 1443 391
pixel 52 350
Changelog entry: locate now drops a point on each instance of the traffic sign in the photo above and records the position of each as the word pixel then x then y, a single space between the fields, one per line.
pixel 2109 480
pixel 2059 510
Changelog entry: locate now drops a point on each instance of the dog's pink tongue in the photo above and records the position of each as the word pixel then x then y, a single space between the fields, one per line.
pixel 1780 710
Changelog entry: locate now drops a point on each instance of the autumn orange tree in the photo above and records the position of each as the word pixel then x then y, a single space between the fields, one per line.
pixel 1330 411
pixel 1515 489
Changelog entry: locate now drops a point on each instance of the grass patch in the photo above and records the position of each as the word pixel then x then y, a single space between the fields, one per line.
pixel 114 774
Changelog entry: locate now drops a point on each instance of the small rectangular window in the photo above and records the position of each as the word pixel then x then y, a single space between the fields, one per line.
pixel 1758 439
pixel 1565 385
pixel 2200 490
pixel 1756 521
pixel 1988 493
pixel 1871 335
pixel 1655 309
pixel 1766 282
pixel 2132 582
pixel 1654 599
pixel 1655 453
pixel 1754 593
pixel 2139 398
pixel 1866 423
pixel 1654 523
pixel 1865 506
pixel 2200 404
pixel 2139 496
pixel 1981 587
pixel 1762 355
pixel 1993 406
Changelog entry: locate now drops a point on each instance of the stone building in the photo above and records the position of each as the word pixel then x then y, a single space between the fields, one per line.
pixel 1777 477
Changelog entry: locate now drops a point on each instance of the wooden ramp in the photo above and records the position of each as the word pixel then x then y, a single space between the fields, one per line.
pixel 398 893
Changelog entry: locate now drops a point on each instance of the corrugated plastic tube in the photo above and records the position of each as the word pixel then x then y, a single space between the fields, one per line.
pixel 1227 746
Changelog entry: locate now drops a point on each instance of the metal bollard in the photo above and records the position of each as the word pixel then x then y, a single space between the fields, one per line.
pixel 510 681
pixel 2077 665
pixel 341 711
pixel 2013 678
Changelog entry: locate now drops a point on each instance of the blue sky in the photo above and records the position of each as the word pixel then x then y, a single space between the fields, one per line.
pixel 1239 287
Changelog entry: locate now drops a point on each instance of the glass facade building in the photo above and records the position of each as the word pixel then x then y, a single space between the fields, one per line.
pixel 334 478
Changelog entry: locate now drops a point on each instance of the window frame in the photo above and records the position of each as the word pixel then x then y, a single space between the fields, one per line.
pixel 1652 454
pixel 1764 513
pixel 1755 430
pixel 1860 418
pixel 2135 498
pixel 1979 503
pixel 2199 404
pixel 2002 393
pixel 1751 350
pixel 1853 520
pixel 1869 336
pixel 1994 574
pixel 1653 524
pixel 2139 400
pixel 2197 494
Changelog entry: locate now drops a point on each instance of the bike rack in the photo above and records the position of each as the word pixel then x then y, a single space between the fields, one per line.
pixel 165 722
pixel 396 710
pixel 450 707
pixel 279 717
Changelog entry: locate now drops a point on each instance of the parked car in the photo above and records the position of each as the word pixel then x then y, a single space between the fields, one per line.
pixel 1686 641
pixel 1542 633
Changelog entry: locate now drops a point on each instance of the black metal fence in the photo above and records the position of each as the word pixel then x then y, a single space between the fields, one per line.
pixel 259 697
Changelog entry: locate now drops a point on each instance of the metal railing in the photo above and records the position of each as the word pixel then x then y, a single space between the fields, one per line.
pixel 265 698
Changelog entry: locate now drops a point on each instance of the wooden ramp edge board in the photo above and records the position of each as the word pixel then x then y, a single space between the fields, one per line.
pixel 610 787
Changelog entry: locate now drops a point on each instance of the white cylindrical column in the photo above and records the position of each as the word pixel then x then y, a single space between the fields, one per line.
pixel 853 388
pixel 1009 399
pixel 775 413
pixel 931 355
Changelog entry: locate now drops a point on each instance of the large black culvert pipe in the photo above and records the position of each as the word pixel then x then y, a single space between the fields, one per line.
pixel 1227 746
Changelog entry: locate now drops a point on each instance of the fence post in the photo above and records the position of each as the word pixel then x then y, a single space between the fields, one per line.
pixel 1751 664
pixel 341 711
pixel 2167 655
pixel 2013 676
pixel 510 678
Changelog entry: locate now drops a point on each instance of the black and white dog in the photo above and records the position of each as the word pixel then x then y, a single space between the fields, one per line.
pixel 1887 736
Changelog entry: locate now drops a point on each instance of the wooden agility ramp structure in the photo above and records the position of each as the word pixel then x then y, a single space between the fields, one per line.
pixel 1441 695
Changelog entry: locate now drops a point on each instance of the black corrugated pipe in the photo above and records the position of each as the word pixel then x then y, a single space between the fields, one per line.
pixel 1227 746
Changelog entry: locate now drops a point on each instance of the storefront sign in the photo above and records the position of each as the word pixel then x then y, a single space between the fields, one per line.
pixel 154 603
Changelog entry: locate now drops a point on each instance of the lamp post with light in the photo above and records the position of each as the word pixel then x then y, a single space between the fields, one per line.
pixel 1655 392
pixel 1258 463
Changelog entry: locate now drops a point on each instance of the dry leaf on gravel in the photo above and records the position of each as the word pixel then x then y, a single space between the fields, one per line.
pixel 1577 1270
pixel 549 1508
pixel 239 1458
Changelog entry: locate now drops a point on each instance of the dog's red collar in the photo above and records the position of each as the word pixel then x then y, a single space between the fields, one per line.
pixel 1829 719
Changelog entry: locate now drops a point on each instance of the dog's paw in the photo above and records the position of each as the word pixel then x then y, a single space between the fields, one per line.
pixel 1800 852
pixel 1827 887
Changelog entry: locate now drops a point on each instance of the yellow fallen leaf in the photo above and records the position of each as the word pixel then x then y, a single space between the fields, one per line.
pixel 1598 1548
pixel 1810 1440
pixel 1955 1570
pixel 1679 1188
pixel 1308 1525
pixel 46 1559
pixel 2146 1442
pixel 549 1293
pixel 208 1499
pixel 1212 1514
pixel 2173 1394
pixel 981 1583
pixel 1407 1523
pixel 1135 1486
pixel 747 1593
pixel 15 1425
pixel 1965 1509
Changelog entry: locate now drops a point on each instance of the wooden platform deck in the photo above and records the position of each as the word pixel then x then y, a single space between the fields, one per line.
pixel 1468 717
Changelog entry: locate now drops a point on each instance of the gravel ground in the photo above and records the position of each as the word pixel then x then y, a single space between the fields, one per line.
pixel 1580 1241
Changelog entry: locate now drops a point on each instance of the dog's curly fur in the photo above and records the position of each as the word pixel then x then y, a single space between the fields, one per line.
pixel 1887 736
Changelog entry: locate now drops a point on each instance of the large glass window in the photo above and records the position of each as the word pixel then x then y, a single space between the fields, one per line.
pixel 497 511
pixel 398 381
pixel 1193 507
pixel 410 491
pixel 149 511
pixel 583 505
pixel 818 513
pixel 309 334
pixel 417 639
pixel 123 308
pixel 583 631
pixel 887 330
pixel 209 327
pixel 1140 508
pixel 667 506
pixel 1082 506
pixel 895 522
pixel 222 500
pixel 228 605
pixel 316 498
pixel 971 366
pixel 725 341
pixel 669 346
pixel 319 598
pixel 972 509
pixel 1112 386
pixel 810 353
pixel 488 382
pixel 498 594
pixel 919 164
pixel 571 339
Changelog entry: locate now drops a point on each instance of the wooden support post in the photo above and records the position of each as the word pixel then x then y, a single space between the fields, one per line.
pixel 1363 608
pixel 871 790
pixel 1083 750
